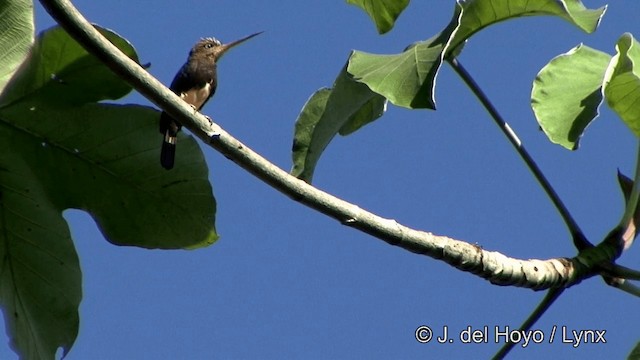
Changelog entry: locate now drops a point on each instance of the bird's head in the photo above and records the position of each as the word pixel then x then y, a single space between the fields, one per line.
pixel 212 47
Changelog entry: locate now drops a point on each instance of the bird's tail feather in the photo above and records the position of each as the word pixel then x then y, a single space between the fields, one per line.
pixel 168 151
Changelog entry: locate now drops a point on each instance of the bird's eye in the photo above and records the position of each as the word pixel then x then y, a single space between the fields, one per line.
pixel 208 45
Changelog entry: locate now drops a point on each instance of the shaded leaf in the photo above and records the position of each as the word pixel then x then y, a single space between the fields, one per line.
pixel 371 109
pixel 305 124
pixel 40 279
pixel 622 82
pixel 567 93
pixel 635 353
pixel 117 141
pixel 57 73
pixel 59 149
pixel 383 12
pixel 343 109
pixel 94 152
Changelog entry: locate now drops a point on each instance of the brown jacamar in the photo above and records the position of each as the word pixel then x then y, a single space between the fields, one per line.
pixel 195 83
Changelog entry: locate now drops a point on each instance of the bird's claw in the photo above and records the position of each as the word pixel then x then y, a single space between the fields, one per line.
pixel 195 110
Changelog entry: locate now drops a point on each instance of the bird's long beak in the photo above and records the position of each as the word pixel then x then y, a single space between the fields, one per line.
pixel 225 47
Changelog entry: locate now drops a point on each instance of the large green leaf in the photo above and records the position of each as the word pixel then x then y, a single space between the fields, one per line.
pixel 40 279
pixel 104 159
pixel 567 92
pixel 478 14
pixel 60 112
pixel 61 149
pixel 57 72
pixel 408 79
pixel 622 82
pixel 343 109
pixel 16 29
pixel 383 12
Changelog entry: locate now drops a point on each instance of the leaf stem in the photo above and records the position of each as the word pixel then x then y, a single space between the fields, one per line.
pixel 548 300
pixel 632 204
pixel 579 240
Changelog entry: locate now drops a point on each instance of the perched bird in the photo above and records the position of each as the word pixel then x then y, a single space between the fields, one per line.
pixel 195 83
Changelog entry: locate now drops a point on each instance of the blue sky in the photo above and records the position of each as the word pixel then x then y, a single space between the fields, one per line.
pixel 286 282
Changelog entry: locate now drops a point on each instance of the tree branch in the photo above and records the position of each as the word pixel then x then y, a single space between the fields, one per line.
pixel 493 266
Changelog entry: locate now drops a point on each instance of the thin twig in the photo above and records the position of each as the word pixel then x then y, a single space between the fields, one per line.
pixel 630 212
pixel 579 240
pixel 545 304
pixel 624 285
pixel 622 272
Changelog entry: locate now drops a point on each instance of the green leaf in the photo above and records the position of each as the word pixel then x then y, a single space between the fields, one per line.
pixel 117 145
pixel 16 29
pixel 372 107
pixel 635 352
pixel 343 109
pixel 303 133
pixel 383 12
pixel 478 14
pixel 567 93
pixel 40 279
pixel 57 72
pixel 103 158
pixel 407 79
pixel 59 149
pixel 622 82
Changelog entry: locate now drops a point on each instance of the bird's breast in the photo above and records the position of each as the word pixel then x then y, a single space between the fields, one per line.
pixel 198 96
